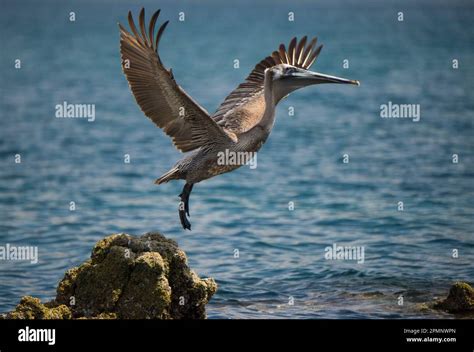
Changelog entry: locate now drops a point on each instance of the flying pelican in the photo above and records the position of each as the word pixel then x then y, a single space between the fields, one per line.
pixel 242 123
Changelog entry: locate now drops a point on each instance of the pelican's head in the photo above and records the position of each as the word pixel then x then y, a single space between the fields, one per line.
pixel 285 78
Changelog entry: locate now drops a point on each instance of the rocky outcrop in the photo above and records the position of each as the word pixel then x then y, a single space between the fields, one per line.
pixel 126 278
pixel 460 299
pixel 32 308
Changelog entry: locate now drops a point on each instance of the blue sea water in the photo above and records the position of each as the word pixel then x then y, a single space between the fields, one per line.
pixel 281 259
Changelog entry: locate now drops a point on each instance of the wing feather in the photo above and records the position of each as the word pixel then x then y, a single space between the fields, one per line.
pixel 157 93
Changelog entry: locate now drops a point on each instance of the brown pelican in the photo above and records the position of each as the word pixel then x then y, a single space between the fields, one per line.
pixel 242 123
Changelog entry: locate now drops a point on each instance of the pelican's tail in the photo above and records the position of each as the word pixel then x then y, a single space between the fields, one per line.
pixel 172 174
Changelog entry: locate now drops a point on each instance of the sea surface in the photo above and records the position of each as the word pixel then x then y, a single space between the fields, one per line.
pixel 280 270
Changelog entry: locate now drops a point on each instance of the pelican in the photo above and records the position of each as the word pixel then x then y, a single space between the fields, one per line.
pixel 242 123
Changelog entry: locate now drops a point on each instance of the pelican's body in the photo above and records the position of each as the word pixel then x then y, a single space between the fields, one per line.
pixel 202 163
pixel 241 124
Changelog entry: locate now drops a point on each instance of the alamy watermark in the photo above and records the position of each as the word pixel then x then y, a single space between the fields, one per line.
pixel 19 253
pixel 229 157
pixel 37 335
pixel 404 111
pixel 336 252
pixel 79 111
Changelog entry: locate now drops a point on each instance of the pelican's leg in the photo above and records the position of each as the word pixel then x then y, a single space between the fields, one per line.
pixel 184 205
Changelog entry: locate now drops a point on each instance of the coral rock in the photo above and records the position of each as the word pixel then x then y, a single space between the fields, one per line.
pixel 126 278
pixel 460 299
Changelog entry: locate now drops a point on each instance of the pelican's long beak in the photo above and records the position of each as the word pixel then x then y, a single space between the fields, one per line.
pixel 306 78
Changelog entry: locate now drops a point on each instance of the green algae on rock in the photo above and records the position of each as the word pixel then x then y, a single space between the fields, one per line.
pixel 126 278
pixel 32 308
pixel 460 299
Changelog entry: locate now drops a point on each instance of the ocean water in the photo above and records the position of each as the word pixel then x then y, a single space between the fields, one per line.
pixel 281 270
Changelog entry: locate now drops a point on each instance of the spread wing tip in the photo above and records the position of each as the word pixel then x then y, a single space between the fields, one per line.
pixel 145 35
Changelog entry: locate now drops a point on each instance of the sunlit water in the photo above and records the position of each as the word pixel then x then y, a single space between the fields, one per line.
pixel 281 260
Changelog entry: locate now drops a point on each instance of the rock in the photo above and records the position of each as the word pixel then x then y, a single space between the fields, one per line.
pixel 460 299
pixel 126 278
pixel 32 308
pixel 422 307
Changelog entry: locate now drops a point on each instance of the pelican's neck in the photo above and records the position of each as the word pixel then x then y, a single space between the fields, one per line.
pixel 268 118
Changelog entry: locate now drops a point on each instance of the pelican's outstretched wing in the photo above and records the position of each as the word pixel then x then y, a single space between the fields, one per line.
pixel 244 106
pixel 158 94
